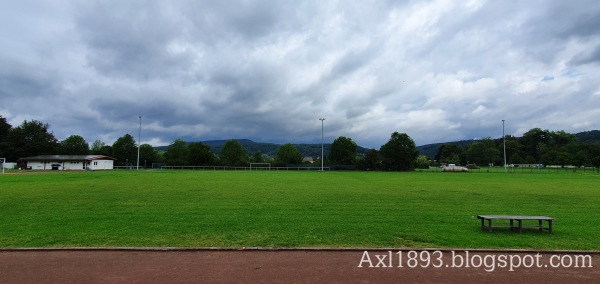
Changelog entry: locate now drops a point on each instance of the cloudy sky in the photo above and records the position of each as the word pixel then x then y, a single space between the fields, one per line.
pixel 268 70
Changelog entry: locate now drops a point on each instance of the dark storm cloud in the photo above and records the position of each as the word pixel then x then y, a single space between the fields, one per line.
pixel 551 28
pixel 586 57
pixel 267 70
pixel 131 39
pixel 246 19
pixel 571 21
pixel 22 81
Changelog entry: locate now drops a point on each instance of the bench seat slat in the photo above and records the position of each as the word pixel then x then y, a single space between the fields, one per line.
pixel 508 217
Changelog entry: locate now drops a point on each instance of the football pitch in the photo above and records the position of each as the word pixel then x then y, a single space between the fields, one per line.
pixel 293 209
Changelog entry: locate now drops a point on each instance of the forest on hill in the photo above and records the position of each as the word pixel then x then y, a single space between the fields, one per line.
pixel 430 150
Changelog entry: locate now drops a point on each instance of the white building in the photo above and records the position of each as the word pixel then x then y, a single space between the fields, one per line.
pixel 69 162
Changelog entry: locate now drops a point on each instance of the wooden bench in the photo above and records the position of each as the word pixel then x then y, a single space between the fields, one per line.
pixel 519 220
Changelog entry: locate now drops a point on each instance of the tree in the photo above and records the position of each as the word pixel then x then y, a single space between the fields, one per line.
pixel 438 154
pixel 148 155
pixel 31 138
pixel 125 150
pixel 514 150
pixel 399 153
pixel 371 161
pixel 100 148
pixel 422 162
pixel 483 152
pixel 257 157
pixel 450 154
pixel 74 145
pixel 200 154
pixel 593 152
pixel 233 154
pixel 563 159
pixel 561 138
pixel 160 156
pixel 177 154
pixel 514 158
pixel 343 151
pixel 549 156
pixel 531 141
pixel 288 154
pixel 97 146
pixel 5 128
pixel 577 153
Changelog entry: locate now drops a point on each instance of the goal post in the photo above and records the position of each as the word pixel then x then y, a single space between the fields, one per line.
pixel 3 161
pixel 260 166
pixel 158 165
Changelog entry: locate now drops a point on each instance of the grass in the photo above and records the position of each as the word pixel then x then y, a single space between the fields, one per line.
pixel 293 209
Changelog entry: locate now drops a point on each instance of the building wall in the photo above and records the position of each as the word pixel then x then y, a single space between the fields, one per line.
pixel 8 165
pixel 72 166
pixel 79 165
pixel 101 165
pixel 39 165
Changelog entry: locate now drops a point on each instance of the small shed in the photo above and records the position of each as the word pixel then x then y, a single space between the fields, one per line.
pixel 69 162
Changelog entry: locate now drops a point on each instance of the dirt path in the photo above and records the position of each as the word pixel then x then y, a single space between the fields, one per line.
pixel 288 266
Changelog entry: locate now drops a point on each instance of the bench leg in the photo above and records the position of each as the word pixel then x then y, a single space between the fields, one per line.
pixel 482 224
pixel 512 226
pixel 549 226
pixel 540 225
pixel 490 225
pixel 520 225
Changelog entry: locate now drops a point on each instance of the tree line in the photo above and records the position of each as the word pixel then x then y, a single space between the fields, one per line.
pixel 33 138
pixel 536 146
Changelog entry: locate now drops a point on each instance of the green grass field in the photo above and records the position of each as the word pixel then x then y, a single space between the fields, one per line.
pixel 293 209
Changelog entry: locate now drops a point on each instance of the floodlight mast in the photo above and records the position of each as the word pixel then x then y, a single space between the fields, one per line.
pixel 504 145
pixel 139 143
pixel 322 152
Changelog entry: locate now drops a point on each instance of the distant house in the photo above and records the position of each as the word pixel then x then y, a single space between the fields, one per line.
pixel 454 168
pixel 527 165
pixel 308 160
pixel 68 162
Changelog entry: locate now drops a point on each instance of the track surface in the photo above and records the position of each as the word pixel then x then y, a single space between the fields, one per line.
pixel 272 266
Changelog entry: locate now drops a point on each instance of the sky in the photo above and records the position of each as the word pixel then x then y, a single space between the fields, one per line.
pixel 268 70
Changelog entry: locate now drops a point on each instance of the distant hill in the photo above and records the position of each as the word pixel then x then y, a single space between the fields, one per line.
pixel 270 149
pixel 431 149
pixel 588 136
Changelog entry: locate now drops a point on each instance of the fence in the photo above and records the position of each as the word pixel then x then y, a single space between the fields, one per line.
pixel 227 168
pixel 526 170
pixel 515 170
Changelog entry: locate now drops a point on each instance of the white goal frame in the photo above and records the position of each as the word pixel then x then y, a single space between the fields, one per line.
pixel 158 165
pixel 267 167
pixel 3 162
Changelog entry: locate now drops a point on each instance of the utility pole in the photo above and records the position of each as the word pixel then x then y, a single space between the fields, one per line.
pixel 504 145
pixel 139 143
pixel 322 152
